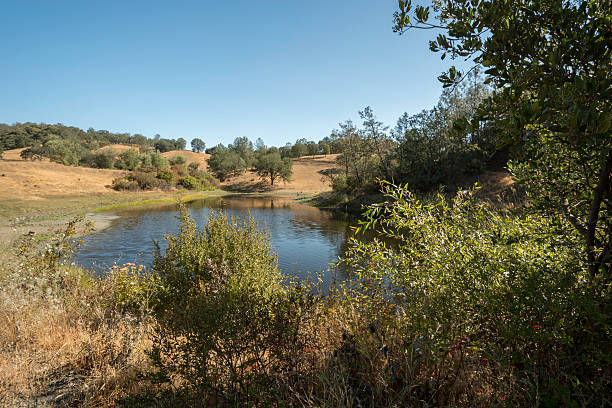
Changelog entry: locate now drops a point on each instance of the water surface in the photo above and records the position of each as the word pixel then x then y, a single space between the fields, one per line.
pixel 306 239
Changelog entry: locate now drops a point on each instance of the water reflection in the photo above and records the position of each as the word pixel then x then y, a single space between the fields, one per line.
pixel 306 239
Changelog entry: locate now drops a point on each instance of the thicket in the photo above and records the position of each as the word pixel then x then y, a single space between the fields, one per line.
pixel 427 150
pixel 453 304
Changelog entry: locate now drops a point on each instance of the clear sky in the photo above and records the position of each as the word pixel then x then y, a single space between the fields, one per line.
pixel 275 69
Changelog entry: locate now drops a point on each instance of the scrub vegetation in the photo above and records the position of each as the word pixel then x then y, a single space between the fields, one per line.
pixel 455 302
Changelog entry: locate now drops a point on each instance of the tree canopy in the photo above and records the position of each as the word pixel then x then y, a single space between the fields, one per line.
pixel 197 145
pixel 550 62
pixel 270 165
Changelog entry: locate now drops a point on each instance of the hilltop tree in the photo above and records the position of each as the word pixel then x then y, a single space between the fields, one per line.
pixel 260 145
pixel 299 149
pixel 551 64
pixel 164 145
pixel 313 148
pixel 324 147
pixel 225 163
pixel 271 165
pixel 243 147
pixel 180 144
pixel 198 145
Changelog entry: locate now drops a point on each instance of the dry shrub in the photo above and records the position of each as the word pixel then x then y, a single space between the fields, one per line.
pixel 63 338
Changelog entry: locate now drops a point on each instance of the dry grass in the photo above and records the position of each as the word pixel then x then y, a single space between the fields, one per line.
pixel 35 180
pixel 63 341
pixel 307 174
pixel 307 178
pixel 38 180
pixel 66 340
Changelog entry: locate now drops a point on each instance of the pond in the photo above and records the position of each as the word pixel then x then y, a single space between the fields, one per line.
pixel 305 238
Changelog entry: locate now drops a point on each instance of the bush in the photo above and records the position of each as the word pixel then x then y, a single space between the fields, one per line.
pixel 193 169
pixel 121 183
pixel 166 175
pixel 190 183
pixel 129 159
pixel 487 292
pixel 341 183
pixel 177 160
pixel 158 161
pixel 225 325
pixel 146 181
pixel 104 159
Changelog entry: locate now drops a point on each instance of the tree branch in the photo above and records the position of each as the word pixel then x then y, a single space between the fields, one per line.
pixel 603 186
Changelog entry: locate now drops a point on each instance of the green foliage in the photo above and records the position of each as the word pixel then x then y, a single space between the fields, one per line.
pixel 166 175
pixel 189 182
pixel 506 289
pixel 222 301
pixel 550 62
pixel 197 145
pixel 61 151
pixel 357 159
pixel 225 164
pixel 178 159
pixel 180 144
pixel 272 166
pixel 299 149
pixel 158 161
pixel 135 290
pixel 324 148
pixel 122 183
pixel 33 135
pixel 129 159
pixel 164 145
pixel 104 159
pixel 435 149
pixel 243 148
pixel 146 181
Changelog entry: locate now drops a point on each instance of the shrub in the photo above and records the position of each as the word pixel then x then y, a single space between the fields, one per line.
pixel 166 175
pixel 178 159
pixel 104 159
pixel 341 183
pixel 158 161
pixel 146 181
pixel 225 325
pixel 129 159
pixel 487 291
pixel 190 183
pixel 121 183
pixel 193 169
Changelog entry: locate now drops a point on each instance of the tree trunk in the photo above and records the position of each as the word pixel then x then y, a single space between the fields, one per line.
pixel 602 189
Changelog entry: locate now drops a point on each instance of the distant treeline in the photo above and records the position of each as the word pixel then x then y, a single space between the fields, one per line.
pixel 73 146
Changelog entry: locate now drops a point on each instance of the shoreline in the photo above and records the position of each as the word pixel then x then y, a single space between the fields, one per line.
pixel 51 214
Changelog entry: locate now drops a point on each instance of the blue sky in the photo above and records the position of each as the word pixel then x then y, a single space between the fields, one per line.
pixel 275 69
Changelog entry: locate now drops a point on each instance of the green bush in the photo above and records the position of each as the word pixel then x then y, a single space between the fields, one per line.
pixel 158 161
pixel 190 183
pixel 166 175
pixel 129 159
pixel 177 160
pixel 341 183
pixel 121 183
pixel 104 159
pixel 482 289
pixel 226 328
pixel 146 181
